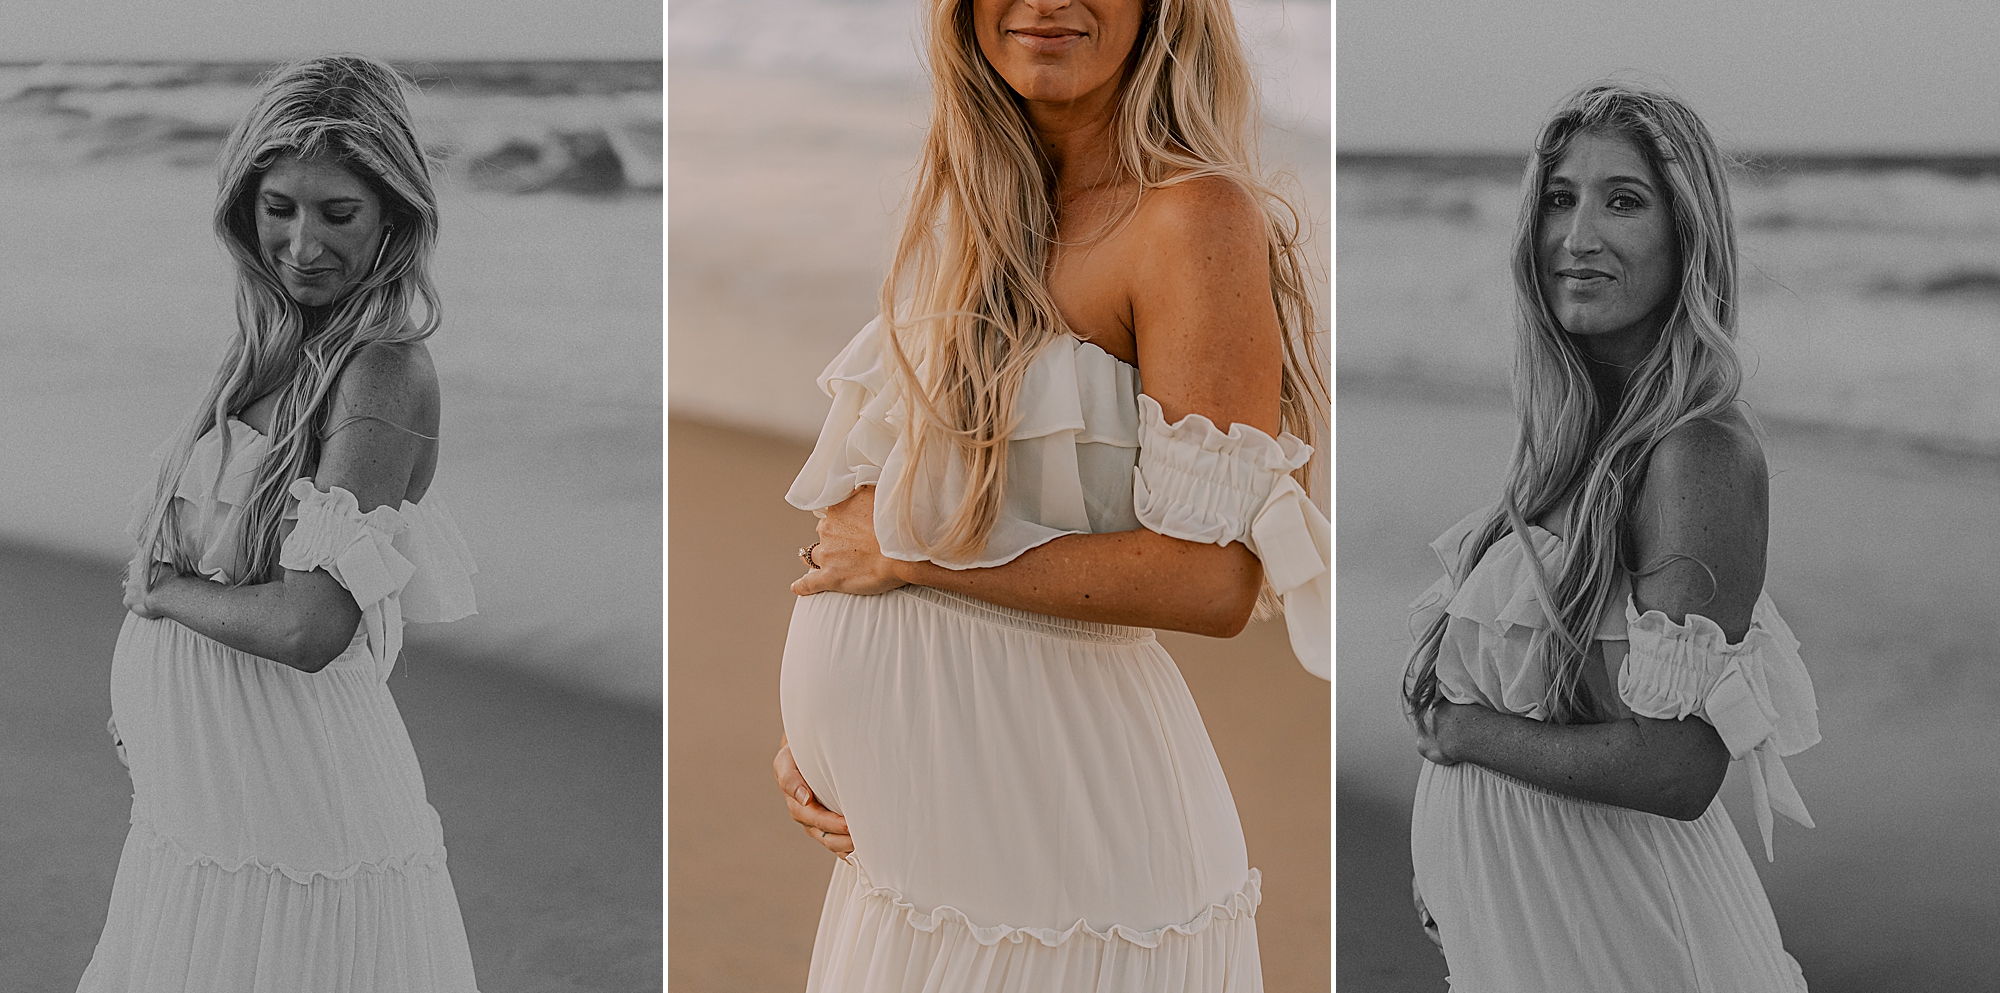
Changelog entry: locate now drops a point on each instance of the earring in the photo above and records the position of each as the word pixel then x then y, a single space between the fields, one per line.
pixel 386 230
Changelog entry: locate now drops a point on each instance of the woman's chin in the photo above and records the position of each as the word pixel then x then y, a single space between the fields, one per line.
pixel 313 297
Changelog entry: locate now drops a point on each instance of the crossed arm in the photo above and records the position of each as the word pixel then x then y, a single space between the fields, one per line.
pixel 1699 535
pixel 1207 340
pixel 306 619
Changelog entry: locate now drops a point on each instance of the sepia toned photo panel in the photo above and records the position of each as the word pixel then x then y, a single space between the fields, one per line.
pixel 1010 814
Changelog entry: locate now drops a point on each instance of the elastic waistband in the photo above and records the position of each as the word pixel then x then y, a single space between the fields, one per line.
pixel 1054 627
pixel 1474 769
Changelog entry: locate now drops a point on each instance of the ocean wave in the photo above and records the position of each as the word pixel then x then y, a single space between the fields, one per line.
pixel 1949 195
pixel 1471 198
pixel 1952 284
pixel 1911 199
pixel 577 127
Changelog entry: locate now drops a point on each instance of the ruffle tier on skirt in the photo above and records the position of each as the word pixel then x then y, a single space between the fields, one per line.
pixel 871 939
pixel 183 922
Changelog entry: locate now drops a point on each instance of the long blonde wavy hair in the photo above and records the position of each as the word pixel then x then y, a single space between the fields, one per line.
pixel 351 109
pixel 1568 443
pixel 975 246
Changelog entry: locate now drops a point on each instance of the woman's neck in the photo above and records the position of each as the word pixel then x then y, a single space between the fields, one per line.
pixel 1077 139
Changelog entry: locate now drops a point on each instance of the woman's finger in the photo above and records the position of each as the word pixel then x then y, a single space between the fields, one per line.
pixel 813 815
pixel 838 844
pixel 799 800
pixel 791 782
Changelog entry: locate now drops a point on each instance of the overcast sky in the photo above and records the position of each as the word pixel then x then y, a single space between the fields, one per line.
pixel 1767 75
pixel 275 29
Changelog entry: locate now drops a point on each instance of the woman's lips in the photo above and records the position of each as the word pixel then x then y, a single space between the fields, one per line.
pixel 1583 279
pixel 307 274
pixel 1046 41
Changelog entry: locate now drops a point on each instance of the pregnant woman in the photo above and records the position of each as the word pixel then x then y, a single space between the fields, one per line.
pixel 1601 647
pixel 281 840
pixel 1030 800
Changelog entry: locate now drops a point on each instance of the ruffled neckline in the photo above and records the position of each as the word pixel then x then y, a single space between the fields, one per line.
pixel 1077 402
pixel 265 441
pixel 1499 592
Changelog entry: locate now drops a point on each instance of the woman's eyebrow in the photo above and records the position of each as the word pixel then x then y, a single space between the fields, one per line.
pixel 275 195
pixel 1634 180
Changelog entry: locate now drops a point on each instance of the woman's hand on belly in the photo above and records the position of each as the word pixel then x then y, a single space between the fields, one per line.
pixel 822 825
pixel 847 558
pixel 138 598
pixel 1437 736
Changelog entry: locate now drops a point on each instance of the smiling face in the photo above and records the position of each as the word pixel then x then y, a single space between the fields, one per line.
pixel 319 226
pixel 1058 51
pixel 1605 247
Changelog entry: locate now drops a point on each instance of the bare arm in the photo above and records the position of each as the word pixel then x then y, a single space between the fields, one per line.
pixel 1698 536
pixel 1207 339
pixel 306 619
pixel 1129 577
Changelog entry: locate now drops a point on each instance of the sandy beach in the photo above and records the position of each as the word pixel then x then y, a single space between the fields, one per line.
pixel 1884 558
pixel 746 885
pixel 550 799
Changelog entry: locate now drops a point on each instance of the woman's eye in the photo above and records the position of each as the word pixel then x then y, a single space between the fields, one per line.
pixel 274 210
pixel 1558 200
pixel 339 218
pixel 1626 201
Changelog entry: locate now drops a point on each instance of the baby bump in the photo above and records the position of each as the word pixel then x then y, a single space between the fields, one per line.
pixel 971 747
pixel 232 754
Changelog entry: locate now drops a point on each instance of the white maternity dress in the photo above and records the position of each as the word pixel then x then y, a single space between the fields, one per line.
pixel 281 840
pixel 1532 890
pixel 1034 801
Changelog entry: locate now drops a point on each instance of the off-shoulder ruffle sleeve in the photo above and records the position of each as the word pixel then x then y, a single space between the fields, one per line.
pixel 1198 483
pixel 407 563
pixel 1448 547
pixel 211 494
pixel 1756 693
pixel 1073 431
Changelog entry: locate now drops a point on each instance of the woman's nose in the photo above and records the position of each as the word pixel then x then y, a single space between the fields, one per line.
pixel 302 242
pixel 1580 236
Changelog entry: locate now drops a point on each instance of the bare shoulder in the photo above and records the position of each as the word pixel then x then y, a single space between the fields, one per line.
pixel 1701 523
pixel 1206 327
pixel 395 381
pixel 1207 212
pixel 1712 458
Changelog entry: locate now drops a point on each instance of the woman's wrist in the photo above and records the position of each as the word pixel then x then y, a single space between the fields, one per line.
pixel 1458 726
pixel 159 596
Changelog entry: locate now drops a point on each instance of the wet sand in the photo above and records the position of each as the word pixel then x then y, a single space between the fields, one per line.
pixel 746 885
pixel 1886 562
pixel 550 799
